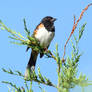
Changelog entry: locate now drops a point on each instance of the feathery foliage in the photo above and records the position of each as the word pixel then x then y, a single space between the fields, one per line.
pixel 67 71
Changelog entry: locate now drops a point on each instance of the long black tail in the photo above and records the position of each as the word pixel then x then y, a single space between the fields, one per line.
pixel 33 58
pixel 32 62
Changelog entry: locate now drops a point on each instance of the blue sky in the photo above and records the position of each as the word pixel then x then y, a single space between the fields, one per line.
pixel 12 56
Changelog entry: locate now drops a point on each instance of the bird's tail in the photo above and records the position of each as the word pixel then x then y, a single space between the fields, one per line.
pixel 31 64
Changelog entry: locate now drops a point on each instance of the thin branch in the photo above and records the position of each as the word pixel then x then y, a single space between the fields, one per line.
pixel 20 38
pixel 45 83
pixel 52 56
pixel 74 27
pixel 18 73
pixel 74 19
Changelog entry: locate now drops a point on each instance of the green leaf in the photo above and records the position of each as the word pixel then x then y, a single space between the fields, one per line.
pixel 2 28
pixel 11 84
pixel 12 38
pixel 0 21
pixel 81 31
pixel 16 43
pixel 47 81
pixel 40 75
pixel 10 71
pixel 57 55
pixel 19 73
pixel 25 27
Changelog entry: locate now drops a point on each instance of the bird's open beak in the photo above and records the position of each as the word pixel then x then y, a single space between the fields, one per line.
pixel 54 19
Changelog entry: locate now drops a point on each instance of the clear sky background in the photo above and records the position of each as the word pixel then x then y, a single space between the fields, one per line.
pixel 13 56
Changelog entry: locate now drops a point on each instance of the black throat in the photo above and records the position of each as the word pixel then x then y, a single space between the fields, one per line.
pixel 49 26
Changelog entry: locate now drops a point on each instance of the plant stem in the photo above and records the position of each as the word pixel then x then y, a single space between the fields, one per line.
pixel 38 81
pixel 58 86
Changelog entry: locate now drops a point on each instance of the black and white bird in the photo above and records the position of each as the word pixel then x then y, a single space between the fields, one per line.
pixel 44 33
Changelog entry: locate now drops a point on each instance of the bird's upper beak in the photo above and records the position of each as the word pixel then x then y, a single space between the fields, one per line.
pixel 54 19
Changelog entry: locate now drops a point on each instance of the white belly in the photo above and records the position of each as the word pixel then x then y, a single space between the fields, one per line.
pixel 44 37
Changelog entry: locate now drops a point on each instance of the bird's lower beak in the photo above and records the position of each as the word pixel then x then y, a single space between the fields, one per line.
pixel 54 19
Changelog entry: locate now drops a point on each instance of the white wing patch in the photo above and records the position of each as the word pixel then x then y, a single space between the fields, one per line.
pixel 44 36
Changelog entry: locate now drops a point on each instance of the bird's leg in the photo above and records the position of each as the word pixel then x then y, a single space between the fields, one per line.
pixel 45 49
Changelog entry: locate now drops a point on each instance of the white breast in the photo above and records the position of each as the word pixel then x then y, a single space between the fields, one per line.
pixel 44 36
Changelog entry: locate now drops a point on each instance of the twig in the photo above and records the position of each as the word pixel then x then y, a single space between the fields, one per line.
pixel 49 52
pixel 74 27
pixel 18 73
pixel 22 39
pixel 45 83
pixel 74 19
